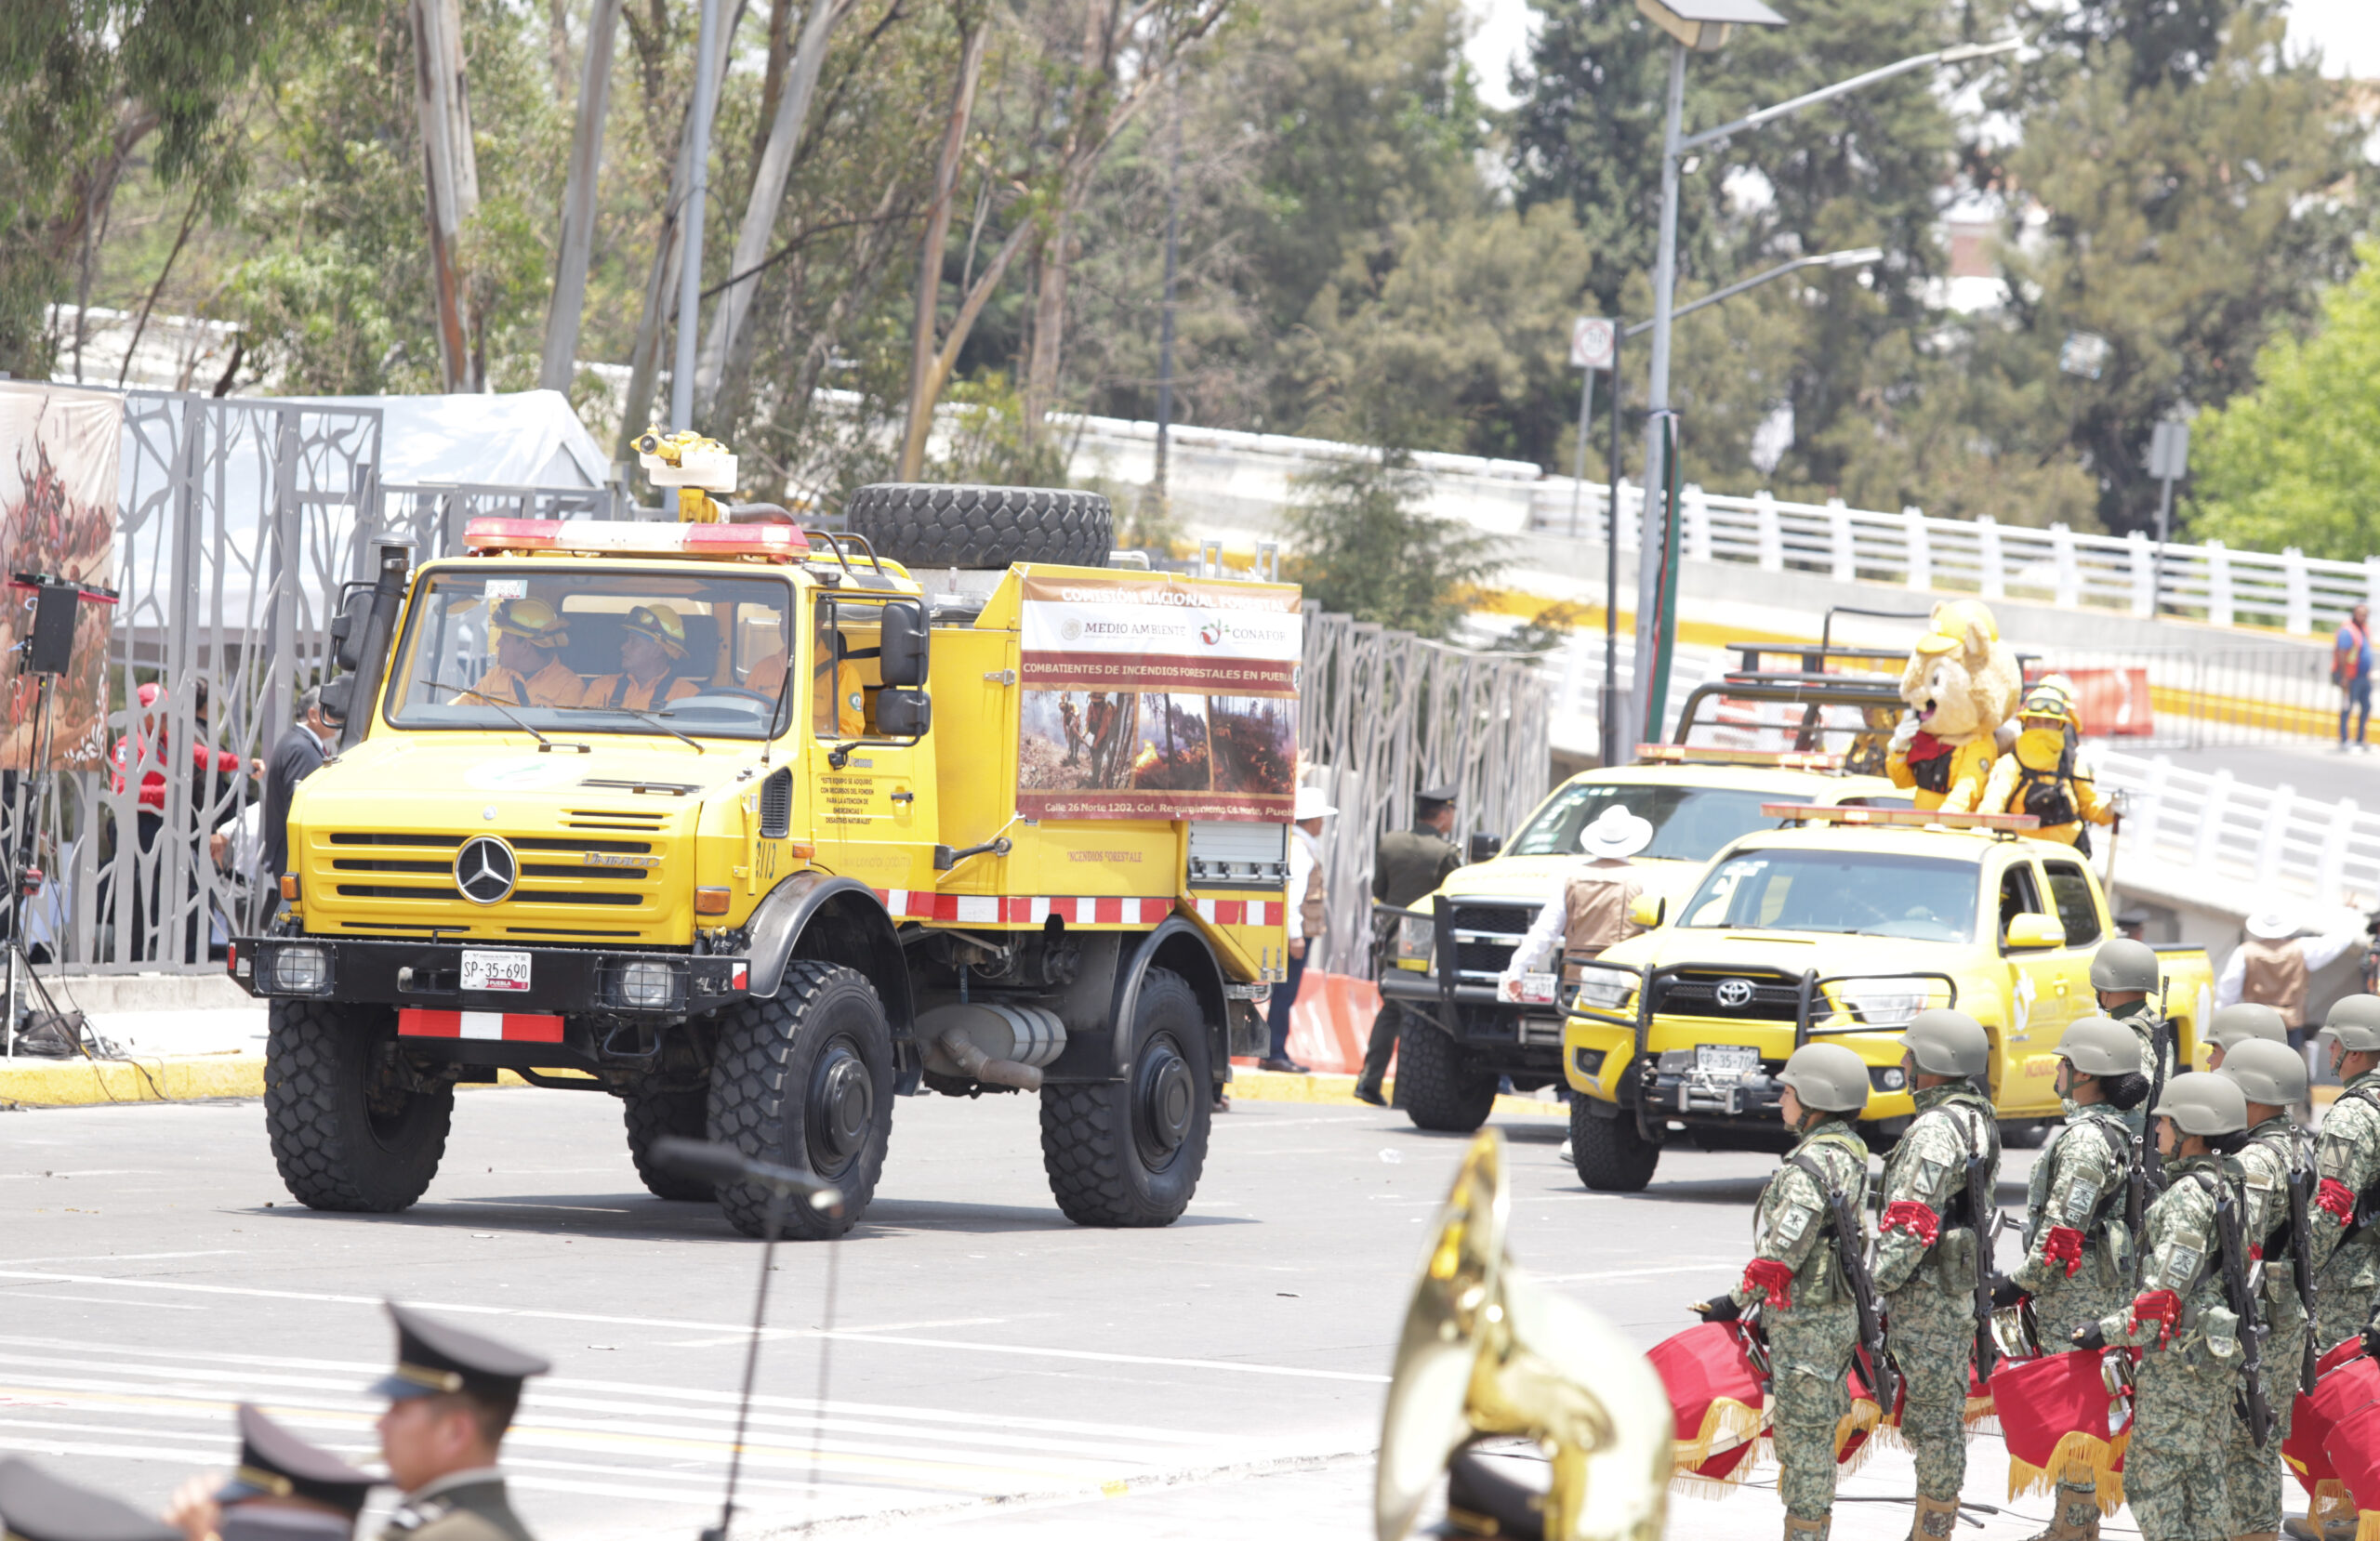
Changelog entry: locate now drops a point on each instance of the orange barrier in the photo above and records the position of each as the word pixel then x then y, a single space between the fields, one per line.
pixel 1331 1022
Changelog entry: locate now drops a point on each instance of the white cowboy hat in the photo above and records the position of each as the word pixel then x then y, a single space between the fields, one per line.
pixel 1311 804
pixel 1616 835
pixel 2274 921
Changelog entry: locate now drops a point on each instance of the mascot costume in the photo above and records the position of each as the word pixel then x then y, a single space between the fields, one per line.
pixel 1961 683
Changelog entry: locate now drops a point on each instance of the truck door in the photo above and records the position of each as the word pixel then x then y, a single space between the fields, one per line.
pixel 2047 989
pixel 872 790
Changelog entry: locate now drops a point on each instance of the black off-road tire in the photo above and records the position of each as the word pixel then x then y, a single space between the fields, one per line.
pixel 650 1116
pixel 1611 1157
pixel 345 1134
pixel 919 524
pixel 1129 1152
pixel 1437 1085
pixel 806 1080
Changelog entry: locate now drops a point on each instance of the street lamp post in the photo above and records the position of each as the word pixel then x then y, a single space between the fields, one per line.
pixel 1703 26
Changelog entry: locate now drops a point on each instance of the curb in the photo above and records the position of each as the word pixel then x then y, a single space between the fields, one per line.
pixel 179 1078
pixel 1272 1086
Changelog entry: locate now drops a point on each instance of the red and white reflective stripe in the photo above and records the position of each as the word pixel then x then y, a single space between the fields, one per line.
pixel 1242 912
pixel 512 1027
pixel 996 909
pixel 739 975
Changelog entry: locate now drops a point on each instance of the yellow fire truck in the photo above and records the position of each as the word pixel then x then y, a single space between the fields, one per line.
pixel 741 825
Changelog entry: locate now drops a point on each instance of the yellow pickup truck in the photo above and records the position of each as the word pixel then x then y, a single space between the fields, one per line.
pixel 1843 926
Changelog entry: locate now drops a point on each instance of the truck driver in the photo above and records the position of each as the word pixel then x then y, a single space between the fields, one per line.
pixel 527 671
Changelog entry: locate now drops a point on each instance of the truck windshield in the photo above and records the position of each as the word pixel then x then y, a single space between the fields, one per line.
pixel 1690 824
pixel 579 652
pixel 1853 893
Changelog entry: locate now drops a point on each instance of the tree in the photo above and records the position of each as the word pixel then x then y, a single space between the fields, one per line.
pixel 2297 461
pixel 1361 547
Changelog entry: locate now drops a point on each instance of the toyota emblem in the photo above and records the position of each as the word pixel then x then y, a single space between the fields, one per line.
pixel 485 870
pixel 1735 995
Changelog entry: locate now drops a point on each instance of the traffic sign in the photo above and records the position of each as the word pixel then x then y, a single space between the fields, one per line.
pixel 2169 451
pixel 1594 340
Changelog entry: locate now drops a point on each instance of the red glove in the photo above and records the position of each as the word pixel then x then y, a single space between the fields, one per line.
pixel 2255 1252
pixel 2336 1197
pixel 2065 1246
pixel 1769 1277
pixel 2160 1306
pixel 1913 1217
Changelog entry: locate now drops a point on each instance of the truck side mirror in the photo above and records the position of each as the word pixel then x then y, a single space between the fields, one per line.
pixel 902 712
pixel 1484 846
pixel 2029 932
pixel 348 628
pixel 1647 913
pixel 339 698
pixel 902 660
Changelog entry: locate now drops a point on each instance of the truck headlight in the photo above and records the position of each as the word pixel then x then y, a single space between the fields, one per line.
pixel 1417 936
pixel 1605 989
pixel 299 968
pixel 1885 1002
pixel 648 986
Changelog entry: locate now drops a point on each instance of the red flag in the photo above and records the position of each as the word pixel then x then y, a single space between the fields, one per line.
pixel 2056 1412
pixel 1716 1401
pixel 2309 1427
pixel 2347 1398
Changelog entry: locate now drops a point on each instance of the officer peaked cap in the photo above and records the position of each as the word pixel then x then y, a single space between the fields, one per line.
pixel 433 1357
pixel 275 1463
pixel 35 1506
pixel 1437 795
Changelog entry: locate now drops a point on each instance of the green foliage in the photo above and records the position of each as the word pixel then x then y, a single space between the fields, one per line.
pixel 1361 544
pixel 2295 461
pixel 986 442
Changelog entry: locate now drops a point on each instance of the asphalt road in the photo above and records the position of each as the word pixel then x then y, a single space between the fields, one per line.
pixel 988 1367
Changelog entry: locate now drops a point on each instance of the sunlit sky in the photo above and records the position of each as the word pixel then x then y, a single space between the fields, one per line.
pixel 2347 30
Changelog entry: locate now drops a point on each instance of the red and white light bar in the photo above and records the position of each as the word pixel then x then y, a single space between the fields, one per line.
pixel 1909 818
pixel 605 537
pixel 1782 759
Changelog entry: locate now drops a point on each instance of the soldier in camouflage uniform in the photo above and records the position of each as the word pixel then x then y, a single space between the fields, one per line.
pixel 2238 1024
pixel 2273 1079
pixel 2175 1471
pixel 1926 1251
pixel 2346 1154
pixel 2124 974
pixel 1806 1304
pixel 2077 1253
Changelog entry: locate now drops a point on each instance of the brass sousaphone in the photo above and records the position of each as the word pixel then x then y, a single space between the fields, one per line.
pixel 1488 1353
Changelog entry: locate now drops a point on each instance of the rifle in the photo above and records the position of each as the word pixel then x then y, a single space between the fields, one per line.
pixel 1851 1256
pixel 2302 1178
pixel 2148 1166
pixel 1983 1213
pixel 2241 1294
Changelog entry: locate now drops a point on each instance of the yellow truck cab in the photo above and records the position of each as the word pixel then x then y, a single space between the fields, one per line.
pixel 742 826
pixel 1458 1037
pixel 1841 926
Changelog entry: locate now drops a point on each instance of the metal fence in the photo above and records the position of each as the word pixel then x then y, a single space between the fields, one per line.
pixel 2296 593
pixel 1384 713
pixel 2227 837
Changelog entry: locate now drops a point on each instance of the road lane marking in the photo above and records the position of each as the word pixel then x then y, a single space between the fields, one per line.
pixel 129 1257
pixel 1717 1265
pixel 527 1314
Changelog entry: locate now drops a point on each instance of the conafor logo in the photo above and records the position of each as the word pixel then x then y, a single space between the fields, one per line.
pixel 1213 632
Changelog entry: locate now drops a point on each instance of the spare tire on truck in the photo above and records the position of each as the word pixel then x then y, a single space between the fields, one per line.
pixel 921 524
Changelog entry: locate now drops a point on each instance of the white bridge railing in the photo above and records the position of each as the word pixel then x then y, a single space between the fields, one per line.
pixel 2232 837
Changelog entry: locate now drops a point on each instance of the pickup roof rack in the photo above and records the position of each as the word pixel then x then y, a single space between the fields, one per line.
pixel 1906 818
pixel 1777 759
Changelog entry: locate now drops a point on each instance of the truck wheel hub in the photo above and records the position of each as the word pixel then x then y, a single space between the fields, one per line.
pixel 1166 1101
pixel 842 1105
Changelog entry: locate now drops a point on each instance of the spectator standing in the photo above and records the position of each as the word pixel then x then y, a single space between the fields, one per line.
pixel 2351 672
pixel 1307 899
pixel 301 752
pixel 145 753
pixel 2273 965
pixel 1408 864
pixel 1595 908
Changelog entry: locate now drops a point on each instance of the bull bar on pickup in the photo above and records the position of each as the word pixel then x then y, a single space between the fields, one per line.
pixel 1697 1092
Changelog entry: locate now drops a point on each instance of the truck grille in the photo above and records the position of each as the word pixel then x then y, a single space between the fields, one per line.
pixel 1775 998
pixel 420 867
pixel 1486 936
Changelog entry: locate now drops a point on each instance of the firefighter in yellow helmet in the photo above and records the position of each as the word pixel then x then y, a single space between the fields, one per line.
pixel 527 672
pixel 653 648
pixel 2042 773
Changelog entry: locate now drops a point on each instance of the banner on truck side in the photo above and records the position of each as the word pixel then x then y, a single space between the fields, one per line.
pixel 1157 696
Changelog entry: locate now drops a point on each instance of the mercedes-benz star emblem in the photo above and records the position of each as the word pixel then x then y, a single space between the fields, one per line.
pixel 1735 995
pixel 485 870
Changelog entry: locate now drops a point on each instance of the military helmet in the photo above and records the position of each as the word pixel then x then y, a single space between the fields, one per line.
pixel 661 623
pixel 2100 1046
pixel 1827 1078
pixel 2124 964
pixel 2354 1020
pixel 1947 1043
pixel 2202 1104
pixel 533 619
pixel 2238 1024
pixel 2266 1071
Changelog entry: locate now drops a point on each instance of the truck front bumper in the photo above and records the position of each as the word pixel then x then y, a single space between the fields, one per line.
pixel 1505 1038
pixel 657 986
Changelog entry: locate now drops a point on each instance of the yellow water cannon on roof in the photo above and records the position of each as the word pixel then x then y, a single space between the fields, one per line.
pixel 695 466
